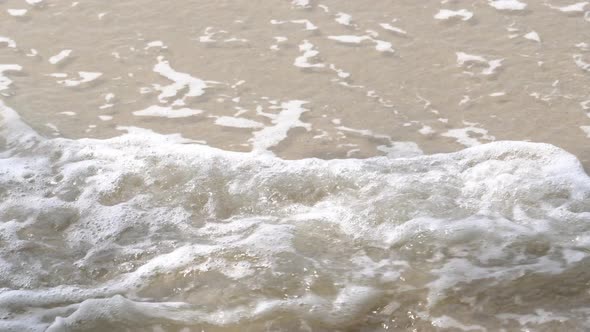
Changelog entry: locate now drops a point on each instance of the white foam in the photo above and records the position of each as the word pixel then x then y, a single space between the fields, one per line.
pixel 309 52
pixel 343 18
pixel 196 87
pixel 339 72
pixel 586 130
pixel 145 228
pixel 58 75
pixel 392 28
pixel 445 14
pixel 462 135
pixel 573 8
pixel 426 130
pixel 507 4
pixel 493 65
pixel 33 52
pixel 464 59
pixel 62 55
pixel 52 127
pixel 301 3
pixel 391 148
pixel 579 60
pixel 210 33
pixel 9 42
pixel 466 99
pixel 156 44
pixel 5 82
pixel 207 37
pixel 540 316
pixel 235 39
pixel 306 23
pixel 167 112
pixel 85 77
pixel 17 12
pixel 380 45
pixel 230 121
pixel 383 46
pixel 349 39
pixel 447 322
pixel 278 39
pixel 287 119
pixel 533 35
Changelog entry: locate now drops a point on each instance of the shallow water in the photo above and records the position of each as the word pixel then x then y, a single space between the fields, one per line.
pixel 294 166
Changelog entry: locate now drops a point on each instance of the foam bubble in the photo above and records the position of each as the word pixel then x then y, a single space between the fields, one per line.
pixel 17 12
pixel 464 59
pixel 308 53
pixel 540 316
pixel 392 28
pixel 447 322
pixel 210 33
pixel 579 60
pixel 349 39
pixel 392 148
pixel 301 3
pixel 85 77
pixel 507 4
pixel 155 44
pixel 5 82
pixel 426 130
pixel 196 87
pixel 278 39
pixel 343 18
pixel 167 112
pixel 60 57
pixel 380 45
pixel 462 135
pixel 8 42
pixel 445 14
pixel 573 8
pixel 230 121
pixel 533 35
pixel 285 120
pixel 306 23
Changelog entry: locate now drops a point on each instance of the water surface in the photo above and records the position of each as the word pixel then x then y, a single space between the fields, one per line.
pixel 294 165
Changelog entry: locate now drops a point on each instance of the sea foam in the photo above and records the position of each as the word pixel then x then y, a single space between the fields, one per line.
pixel 146 228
